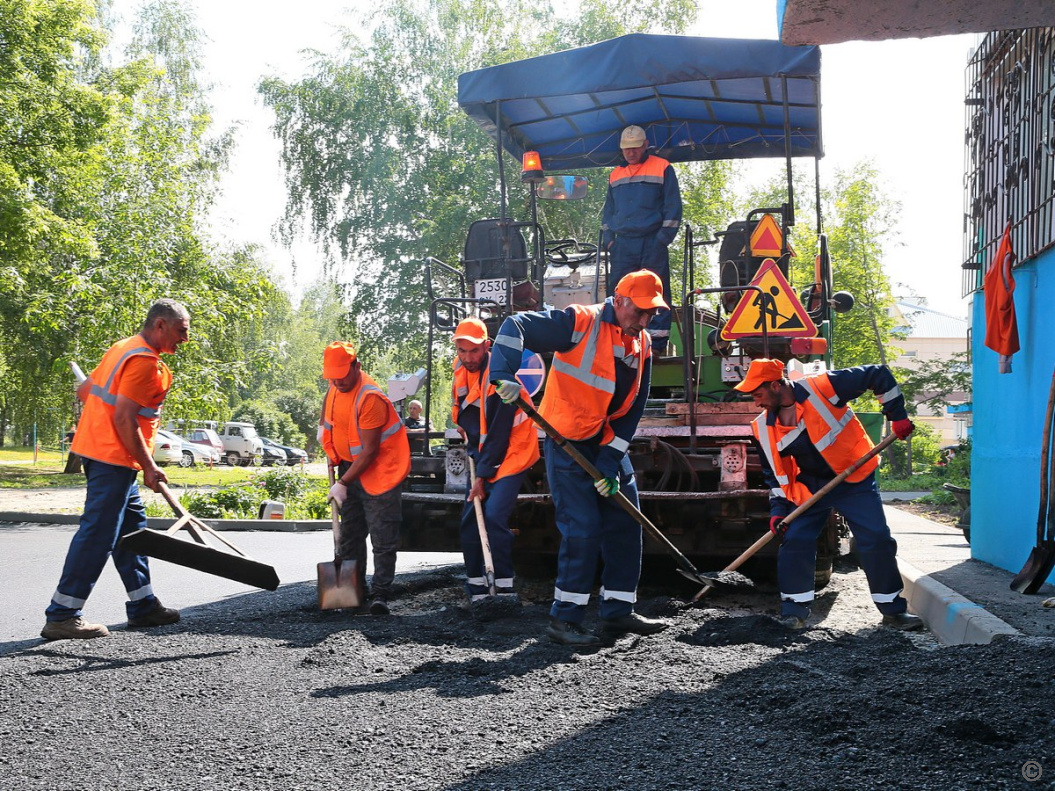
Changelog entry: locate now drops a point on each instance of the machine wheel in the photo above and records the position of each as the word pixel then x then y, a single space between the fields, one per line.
pixel 187 459
pixel 233 458
pixel 822 574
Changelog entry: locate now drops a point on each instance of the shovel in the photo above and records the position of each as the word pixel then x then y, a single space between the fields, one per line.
pixel 503 600
pixel 1042 558
pixel 783 525
pixel 234 565
pixel 339 583
pixel 686 568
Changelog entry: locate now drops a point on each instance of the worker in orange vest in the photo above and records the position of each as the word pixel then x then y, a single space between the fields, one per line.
pixel 641 217
pixel 366 441
pixel 595 396
pixel 115 436
pixel 808 434
pixel 503 443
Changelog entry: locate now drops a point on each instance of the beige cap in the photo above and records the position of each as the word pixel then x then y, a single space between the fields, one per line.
pixel 632 137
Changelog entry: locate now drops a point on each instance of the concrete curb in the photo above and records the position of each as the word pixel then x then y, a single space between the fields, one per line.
pixel 954 619
pixel 269 525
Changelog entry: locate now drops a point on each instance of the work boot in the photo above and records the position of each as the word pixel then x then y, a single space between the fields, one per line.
pixel 378 606
pixel 160 615
pixel 73 629
pixel 633 623
pixel 571 634
pixel 793 622
pixel 903 621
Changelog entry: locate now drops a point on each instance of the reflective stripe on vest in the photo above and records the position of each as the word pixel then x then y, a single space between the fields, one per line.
pixel 834 431
pixel 392 463
pixel 522 451
pixel 582 380
pixel 649 172
pixel 97 436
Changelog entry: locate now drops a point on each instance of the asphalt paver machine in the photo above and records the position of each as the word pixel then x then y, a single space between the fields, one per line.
pixel 561 115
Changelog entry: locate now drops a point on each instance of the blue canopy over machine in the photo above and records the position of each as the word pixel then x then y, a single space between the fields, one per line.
pixel 696 98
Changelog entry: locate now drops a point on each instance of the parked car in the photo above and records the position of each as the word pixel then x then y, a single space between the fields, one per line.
pixel 273 453
pixel 241 444
pixel 206 437
pixel 294 456
pixel 195 453
pixel 168 448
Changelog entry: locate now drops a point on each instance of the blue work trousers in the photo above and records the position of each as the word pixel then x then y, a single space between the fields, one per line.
pixel 861 506
pixel 498 504
pixel 112 510
pixel 631 253
pixel 592 528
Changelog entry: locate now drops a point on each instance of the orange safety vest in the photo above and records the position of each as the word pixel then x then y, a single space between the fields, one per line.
pixel 523 439
pixel 582 380
pixel 834 431
pixel 650 171
pixel 341 438
pixel 96 436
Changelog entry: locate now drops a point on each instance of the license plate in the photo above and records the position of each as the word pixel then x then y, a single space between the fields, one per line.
pixel 492 289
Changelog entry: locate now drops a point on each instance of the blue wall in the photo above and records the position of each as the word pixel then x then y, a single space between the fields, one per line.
pixel 1009 421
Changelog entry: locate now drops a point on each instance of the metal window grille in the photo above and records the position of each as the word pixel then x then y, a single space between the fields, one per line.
pixel 1010 149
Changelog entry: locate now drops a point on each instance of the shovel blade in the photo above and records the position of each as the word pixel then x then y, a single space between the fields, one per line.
pixel 200 557
pixel 699 578
pixel 1038 566
pixel 339 585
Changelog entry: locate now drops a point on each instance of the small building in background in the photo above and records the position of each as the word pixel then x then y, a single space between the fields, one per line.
pixel 933 336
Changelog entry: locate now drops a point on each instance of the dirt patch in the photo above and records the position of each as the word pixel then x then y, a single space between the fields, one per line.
pixel 943 514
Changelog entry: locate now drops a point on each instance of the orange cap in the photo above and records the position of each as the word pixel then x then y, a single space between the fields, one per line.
pixel 337 360
pixel 644 288
pixel 759 372
pixel 472 330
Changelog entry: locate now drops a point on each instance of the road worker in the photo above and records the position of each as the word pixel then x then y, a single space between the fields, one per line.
pixel 122 401
pixel 366 442
pixel 808 434
pixel 595 396
pixel 503 443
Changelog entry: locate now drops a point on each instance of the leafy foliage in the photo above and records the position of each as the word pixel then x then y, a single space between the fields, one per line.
pixel 382 167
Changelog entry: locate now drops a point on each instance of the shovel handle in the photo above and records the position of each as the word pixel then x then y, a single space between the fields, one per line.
pixel 335 518
pixel 619 497
pixel 481 524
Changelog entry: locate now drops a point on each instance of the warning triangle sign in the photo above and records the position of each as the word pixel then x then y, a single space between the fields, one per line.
pixel 776 307
pixel 767 239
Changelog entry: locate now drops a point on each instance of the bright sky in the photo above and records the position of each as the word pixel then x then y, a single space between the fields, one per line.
pixel 898 103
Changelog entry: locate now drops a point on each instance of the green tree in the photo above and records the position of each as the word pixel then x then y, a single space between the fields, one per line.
pixel 382 167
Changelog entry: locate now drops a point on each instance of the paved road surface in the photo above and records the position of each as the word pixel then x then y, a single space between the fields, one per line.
pixel 31 558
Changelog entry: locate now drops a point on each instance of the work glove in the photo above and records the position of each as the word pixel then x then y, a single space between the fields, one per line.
pixel 338 493
pixel 606 487
pixel 902 428
pixel 508 391
pixel 318 435
pixel 774 523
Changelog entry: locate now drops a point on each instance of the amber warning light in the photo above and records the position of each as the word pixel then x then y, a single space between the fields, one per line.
pixel 532 168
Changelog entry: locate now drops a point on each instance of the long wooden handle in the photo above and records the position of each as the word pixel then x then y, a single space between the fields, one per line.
pixel 619 497
pixel 335 518
pixel 481 524
pixel 1045 462
pixel 842 476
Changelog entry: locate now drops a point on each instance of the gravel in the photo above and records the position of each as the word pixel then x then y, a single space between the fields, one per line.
pixel 264 692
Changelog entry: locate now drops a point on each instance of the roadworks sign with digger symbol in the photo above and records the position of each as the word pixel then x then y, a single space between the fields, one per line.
pixel 776 308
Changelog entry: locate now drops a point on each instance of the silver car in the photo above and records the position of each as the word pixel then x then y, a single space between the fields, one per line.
pixel 168 448
pixel 196 453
